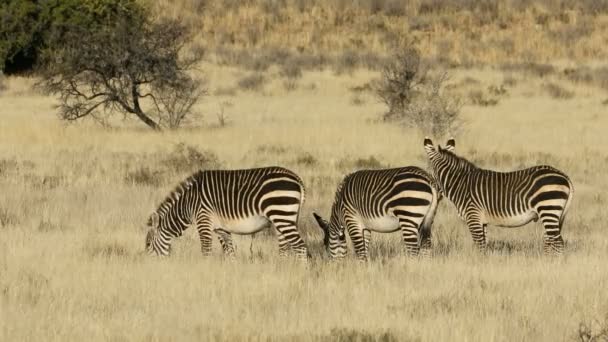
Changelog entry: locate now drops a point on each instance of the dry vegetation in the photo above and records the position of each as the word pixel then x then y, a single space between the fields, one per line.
pixel 76 196
pixel 313 33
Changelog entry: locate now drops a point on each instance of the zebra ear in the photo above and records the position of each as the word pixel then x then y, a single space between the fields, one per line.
pixel 428 144
pixel 154 220
pixel 450 145
pixel 321 222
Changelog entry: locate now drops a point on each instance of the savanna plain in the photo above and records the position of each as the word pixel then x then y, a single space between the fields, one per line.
pixel 74 199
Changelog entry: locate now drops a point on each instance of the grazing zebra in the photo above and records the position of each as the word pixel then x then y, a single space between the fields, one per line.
pixel 507 199
pixel 382 201
pixel 227 202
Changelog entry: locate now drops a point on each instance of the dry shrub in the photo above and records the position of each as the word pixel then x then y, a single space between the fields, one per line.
pixel 596 331
pixel 144 176
pixel 292 73
pixel 479 98
pixel 252 82
pixel 368 163
pixel 185 158
pixel 352 335
pixel 535 69
pixel 7 218
pixel 357 100
pixel 557 92
pixel 593 76
pixel 306 159
pixel 109 250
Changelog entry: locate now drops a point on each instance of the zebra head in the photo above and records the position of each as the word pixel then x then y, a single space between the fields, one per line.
pixel 155 243
pixel 445 164
pixel 334 239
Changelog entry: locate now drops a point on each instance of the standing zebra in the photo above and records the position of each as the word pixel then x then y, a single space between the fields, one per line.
pixel 383 201
pixel 507 199
pixel 230 201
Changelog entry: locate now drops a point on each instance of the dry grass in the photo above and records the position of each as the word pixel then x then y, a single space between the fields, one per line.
pixel 347 33
pixel 75 200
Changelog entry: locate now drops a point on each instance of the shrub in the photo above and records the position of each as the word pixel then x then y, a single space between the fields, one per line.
pixel 185 158
pixel 144 176
pixel 306 159
pixel 558 92
pixel 479 98
pixel 253 82
pixel 414 98
pixel 30 26
pixel 353 335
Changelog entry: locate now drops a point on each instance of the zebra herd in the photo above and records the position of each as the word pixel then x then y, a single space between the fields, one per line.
pixel 226 202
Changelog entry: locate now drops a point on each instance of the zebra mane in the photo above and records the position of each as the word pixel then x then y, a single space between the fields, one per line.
pixel 177 193
pixel 460 161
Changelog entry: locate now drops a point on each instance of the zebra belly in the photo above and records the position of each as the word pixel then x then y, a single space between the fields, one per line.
pixel 245 226
pixel 512 221
pixel 383 224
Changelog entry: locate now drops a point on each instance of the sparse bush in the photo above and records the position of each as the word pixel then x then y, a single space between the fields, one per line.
pixel 401 79
pixel 352 335
pixel 370 162
pixel 347 62
pixel 292 73
pixel 111 250
pixel 479 98
pixel 7 218
pixel 306 159
pixel 357 100
pixel 596 331
pixel 185 158
pixel 414 98
pixel 144 176
pixel 558 92
pixel 253 82
pixel 222 117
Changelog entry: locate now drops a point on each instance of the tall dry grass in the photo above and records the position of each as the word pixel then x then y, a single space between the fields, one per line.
pixel 75 199
pixel 341 33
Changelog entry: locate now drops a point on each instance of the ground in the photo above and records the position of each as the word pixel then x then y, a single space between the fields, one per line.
pixel 75 199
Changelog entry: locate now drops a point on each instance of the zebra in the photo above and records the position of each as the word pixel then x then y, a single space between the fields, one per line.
pixel 382 201
pixel 230 202
pixel 507 199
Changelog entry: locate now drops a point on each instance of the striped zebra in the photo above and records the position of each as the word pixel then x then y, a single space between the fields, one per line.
pixel 507 199
pixel 230 202
pixel 382 201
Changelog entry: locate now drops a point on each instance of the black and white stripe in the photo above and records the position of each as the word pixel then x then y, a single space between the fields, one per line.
pixel 230 202
pixel 382 201
pixel 508 199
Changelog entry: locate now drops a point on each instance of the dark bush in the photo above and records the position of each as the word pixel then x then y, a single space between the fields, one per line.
pixel 30 26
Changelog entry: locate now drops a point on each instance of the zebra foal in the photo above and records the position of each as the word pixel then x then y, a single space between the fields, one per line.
pixel 507 199
pixel 230 202
pixel 382 201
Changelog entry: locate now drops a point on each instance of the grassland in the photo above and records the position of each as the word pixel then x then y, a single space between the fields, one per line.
pixel 533 80
pixel 75 199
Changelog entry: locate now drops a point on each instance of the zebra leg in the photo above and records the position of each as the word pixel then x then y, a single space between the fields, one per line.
pixel 203 226
pixel 425 242
pixel 360 240
pixel 283 244
pixel 477 229
pixel 411 236
pixel 225 239
pixel 289 237
pixel 553 243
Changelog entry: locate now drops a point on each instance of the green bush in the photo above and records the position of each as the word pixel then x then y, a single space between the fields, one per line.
pixel 30 26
